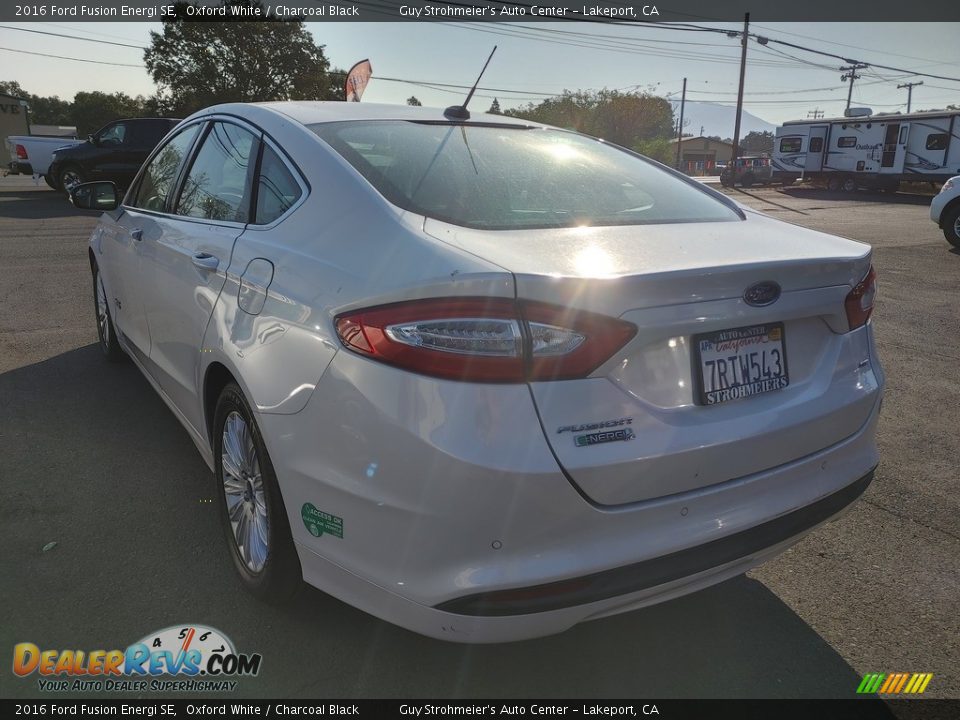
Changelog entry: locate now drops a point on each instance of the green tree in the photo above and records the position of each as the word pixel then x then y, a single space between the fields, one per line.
pixel 12 87
pixel 197 64
pixel 92 110
pixel 494 107
pixel 659 149
pixel 43 110
pixel 757 142
pixel 412 100
pixel 50 111
pixel 622 118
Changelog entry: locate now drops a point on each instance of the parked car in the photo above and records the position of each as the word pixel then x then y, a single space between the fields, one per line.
pixel 115 152
pixel 31 154
pixel 484 378
pixel 747 171
pixel 945 210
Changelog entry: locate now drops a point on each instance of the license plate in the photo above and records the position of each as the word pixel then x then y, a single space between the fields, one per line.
pixel 741 362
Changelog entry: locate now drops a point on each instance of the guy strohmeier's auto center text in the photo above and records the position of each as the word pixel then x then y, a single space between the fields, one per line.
pixel 338 10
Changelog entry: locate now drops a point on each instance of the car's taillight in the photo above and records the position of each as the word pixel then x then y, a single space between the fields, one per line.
pixel 859 302
pixel 485 340
pixel 21 152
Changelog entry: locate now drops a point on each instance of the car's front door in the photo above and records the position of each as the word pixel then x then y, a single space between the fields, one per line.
pixel 109 158
pixel 189 260
pixel 137 229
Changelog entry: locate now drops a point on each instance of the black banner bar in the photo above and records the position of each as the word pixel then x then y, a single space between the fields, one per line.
pixel 864 709
pixel 593 11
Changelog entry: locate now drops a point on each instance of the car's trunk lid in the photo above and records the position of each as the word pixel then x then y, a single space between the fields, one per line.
pixel 676 282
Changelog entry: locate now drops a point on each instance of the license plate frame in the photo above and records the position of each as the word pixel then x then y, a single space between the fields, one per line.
pixel 755 387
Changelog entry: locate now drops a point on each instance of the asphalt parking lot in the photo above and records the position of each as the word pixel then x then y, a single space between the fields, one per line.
pixel 92 460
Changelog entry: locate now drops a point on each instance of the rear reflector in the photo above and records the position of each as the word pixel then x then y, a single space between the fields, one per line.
pixel 485 339
pixel 859 302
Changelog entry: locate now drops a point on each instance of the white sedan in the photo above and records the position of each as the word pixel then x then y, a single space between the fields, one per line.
pixel 945 210
pixel 483 378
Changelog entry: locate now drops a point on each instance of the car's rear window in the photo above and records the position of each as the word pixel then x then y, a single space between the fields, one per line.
pixel 501 178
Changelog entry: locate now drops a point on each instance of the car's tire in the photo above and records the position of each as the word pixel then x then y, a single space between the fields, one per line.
pixel 106 332
pixel 50 181
pixel 848 184
pixel 69 176
pixel 748 180
pixel 252 512
pixel 833 184
pixel 950 222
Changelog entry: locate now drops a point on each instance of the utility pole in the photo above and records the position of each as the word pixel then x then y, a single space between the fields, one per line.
pixel 815 114
pixel 909 87
pixel 683 101
pixel 851 75
pixel 743 72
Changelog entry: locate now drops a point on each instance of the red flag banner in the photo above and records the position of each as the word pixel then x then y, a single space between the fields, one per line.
pixel 357 80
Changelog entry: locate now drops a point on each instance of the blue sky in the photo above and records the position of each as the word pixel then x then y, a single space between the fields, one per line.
pixel 549 58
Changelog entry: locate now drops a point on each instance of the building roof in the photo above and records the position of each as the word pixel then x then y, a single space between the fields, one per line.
pixel 8 95
pixel 702 137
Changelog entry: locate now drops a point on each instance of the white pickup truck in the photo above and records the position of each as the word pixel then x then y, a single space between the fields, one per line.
pixel 31 154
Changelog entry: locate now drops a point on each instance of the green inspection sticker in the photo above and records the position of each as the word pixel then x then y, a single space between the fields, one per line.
pixel 318 522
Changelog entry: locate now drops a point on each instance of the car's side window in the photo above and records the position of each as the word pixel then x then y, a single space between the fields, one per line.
pixel 218 186
pixel 113 135
pixel 277 189
pixel 158 178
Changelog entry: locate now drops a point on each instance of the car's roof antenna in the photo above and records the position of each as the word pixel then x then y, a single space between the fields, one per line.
pixel 460 112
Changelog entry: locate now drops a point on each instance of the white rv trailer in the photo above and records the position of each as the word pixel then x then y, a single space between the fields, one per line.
pixel 876 151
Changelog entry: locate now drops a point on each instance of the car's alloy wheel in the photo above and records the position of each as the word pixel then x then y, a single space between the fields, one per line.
pixel 105 330
pixel 833 184
pixel 251 507
pixel 69 177
pixel 243 492
pixel 849 185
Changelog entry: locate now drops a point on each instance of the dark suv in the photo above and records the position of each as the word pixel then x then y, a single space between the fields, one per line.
pixel 115 152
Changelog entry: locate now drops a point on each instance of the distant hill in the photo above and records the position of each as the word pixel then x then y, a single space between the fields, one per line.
pixel 718 119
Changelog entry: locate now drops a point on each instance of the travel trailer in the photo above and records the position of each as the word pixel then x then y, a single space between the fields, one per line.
pixel 872 151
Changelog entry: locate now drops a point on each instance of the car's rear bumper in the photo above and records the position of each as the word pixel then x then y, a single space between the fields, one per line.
pixel 662 570
pixel 448 496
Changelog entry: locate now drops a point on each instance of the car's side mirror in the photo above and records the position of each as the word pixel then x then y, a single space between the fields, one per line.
pixel 95 196
pixel 92 139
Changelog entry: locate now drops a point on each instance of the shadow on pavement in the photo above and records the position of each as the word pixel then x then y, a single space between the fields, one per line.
pixel 37 204
pixel 900 198
pixel 93 460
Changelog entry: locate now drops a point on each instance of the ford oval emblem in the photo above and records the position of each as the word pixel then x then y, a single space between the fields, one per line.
pixel 763 293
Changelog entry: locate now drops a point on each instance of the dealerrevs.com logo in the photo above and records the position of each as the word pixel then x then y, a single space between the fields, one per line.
pixel 198 658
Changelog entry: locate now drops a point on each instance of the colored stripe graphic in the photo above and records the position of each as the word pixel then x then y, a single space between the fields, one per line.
pixel 894 683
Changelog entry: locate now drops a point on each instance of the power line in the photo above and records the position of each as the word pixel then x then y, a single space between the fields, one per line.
pixel 63 57
pixel 72 37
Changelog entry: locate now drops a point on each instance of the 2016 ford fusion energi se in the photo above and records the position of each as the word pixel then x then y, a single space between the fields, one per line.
pixel 483 378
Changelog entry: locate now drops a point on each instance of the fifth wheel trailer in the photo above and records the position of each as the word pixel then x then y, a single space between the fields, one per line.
pixel 874 151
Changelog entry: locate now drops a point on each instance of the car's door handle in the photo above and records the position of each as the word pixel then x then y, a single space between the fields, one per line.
pixel 206 261
pixel 136 234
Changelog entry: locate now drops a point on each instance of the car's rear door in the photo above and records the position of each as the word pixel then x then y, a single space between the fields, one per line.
pixel 191 254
